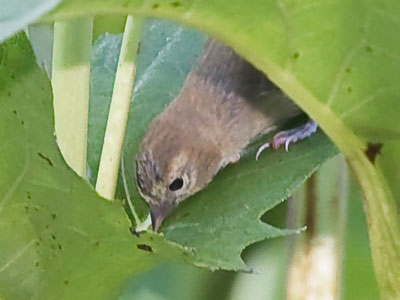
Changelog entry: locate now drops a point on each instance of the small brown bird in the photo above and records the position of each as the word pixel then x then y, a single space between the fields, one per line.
pixel 225 103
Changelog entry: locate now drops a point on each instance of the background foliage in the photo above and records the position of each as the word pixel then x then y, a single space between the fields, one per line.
pixel 55 226
pixel 337 59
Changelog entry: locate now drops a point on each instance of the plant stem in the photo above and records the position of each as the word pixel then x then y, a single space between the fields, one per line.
pixel 322 243
pixel 70 79
pixel 311 211
pixel 340 207
pixel 119 109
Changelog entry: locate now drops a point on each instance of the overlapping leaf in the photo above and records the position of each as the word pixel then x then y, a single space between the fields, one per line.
pixel 58 238
pixel 14 16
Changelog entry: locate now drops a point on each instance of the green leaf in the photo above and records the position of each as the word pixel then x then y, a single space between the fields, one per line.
pixel 220 221
pixel 339 61
pixel 58 238
pixel 14 15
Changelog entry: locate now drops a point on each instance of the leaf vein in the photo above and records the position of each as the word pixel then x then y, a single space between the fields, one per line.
pixel 16 183
pixel 17 255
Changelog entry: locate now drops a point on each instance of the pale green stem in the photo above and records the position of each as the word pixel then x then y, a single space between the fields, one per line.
pixel 340 209
pixel 70 79
pixel 119 109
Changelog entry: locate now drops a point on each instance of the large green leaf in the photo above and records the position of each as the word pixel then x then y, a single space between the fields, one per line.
pixel 339 61
pixel 58 238
pixel 14 15
pixel 224 218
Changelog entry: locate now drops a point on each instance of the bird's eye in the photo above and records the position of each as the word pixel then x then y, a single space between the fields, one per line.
pixel 176 184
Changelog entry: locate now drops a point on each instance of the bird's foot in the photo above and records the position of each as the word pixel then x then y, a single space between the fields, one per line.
pixel 289 136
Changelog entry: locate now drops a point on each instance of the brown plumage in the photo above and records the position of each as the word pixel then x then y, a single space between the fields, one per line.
pixel 224 103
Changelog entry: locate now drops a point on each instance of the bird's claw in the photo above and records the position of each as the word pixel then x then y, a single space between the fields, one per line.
pixel 261 149
pixel 289 136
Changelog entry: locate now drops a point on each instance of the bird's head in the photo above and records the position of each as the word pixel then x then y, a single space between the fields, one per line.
pixel 173 163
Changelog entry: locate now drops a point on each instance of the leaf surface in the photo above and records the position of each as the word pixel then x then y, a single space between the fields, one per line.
pixel 58 238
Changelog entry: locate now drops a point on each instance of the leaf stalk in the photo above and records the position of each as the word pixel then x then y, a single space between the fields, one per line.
pixel 119 109
pixel 70 80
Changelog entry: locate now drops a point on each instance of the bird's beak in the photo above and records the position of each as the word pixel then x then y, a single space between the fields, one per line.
pixel 158 213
